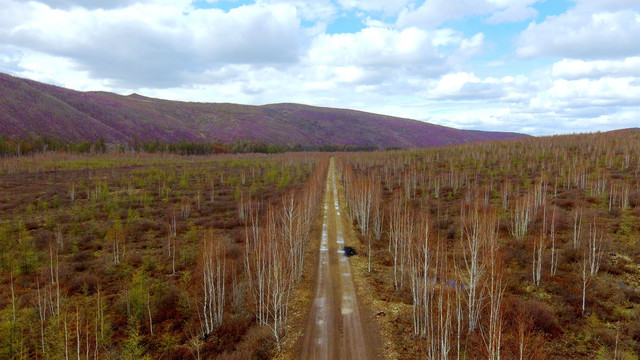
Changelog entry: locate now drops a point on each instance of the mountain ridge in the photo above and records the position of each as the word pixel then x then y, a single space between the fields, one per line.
pixel 31 108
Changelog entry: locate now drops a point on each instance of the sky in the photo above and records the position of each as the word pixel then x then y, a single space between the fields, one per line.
pixel 537 67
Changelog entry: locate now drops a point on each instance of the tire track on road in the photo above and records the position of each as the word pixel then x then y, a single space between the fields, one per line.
pixel 332 334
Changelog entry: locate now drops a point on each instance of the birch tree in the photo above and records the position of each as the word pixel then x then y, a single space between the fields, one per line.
pixel 213 282
pixel 595 249
pixel 472 242
pixel 554 250
pixel 492 334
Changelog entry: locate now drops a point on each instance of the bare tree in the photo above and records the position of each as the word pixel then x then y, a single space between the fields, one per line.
pixel 538 249
pixel 172 241
pixel 255 265
pixel 419 266
pixel 472 241
pixel 577 228
pixel 433 305
pixel 554 251
pixel 213 282
pixel 117 236
pixel 185 208
pixel 624 197
pixel 148 312
pixel 241 207
pixel 42 314
pixel 269 269
pixel 59 238
pixel 398 232
pixel 66 340
pixel 280 280
pixel 290 218
pixel 595 249
pixel 521 217
pixel 54 269
pixel 13 300
pixel 586 276
pixel 274 252
pixel 495 290
pixel 377 218
pixel 78 339
pixel 100 312
pixel 505 191
pixel 536 264
pixel 363 194
pixel 212 192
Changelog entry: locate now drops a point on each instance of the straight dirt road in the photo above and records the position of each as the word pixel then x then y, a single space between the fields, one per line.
pixel 335 329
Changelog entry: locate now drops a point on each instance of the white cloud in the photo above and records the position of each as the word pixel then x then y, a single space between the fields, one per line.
pixel 516 13
pixel 433 13
pixel 403 63
pixel 608 5
pixel 58 71
pixel 581 33
pixel 576 69
pixel 378 46
pixel 604 91
pixel 10 58
pixel 470 47
pixel 467 86
pixel 385 6
pixel 88 4
pixel 149 44
pixel 436 12
pixel 383 61
pixel 311 10
pixel 349 74
pixel 485 92
pixel 451 84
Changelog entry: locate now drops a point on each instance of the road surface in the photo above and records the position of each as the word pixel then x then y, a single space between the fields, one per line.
pixel 335 329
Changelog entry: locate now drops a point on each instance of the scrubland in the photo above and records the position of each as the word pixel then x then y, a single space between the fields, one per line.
pixel 517 249
pixel 134 256
pixel 522 249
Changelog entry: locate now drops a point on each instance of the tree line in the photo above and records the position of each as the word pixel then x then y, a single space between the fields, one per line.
pixel 14 146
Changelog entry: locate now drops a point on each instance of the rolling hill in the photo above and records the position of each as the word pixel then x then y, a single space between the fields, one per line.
pixel 30 108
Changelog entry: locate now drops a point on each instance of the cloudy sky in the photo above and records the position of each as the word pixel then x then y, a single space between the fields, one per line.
pixel 539 67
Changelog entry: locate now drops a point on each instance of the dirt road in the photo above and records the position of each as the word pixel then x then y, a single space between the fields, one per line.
pixel 335 328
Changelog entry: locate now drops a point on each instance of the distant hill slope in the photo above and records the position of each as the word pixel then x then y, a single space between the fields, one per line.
pixel 36 109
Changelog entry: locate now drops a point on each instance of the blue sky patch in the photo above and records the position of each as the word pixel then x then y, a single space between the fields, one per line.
pixel 348 22
pixel 225 5
pixel 552 7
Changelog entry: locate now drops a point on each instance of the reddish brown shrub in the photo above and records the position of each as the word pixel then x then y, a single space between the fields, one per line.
pixel 81 282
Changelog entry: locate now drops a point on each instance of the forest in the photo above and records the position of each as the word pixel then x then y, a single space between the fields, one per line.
pixel 524 249
pixel 517 249
pixel 134 256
